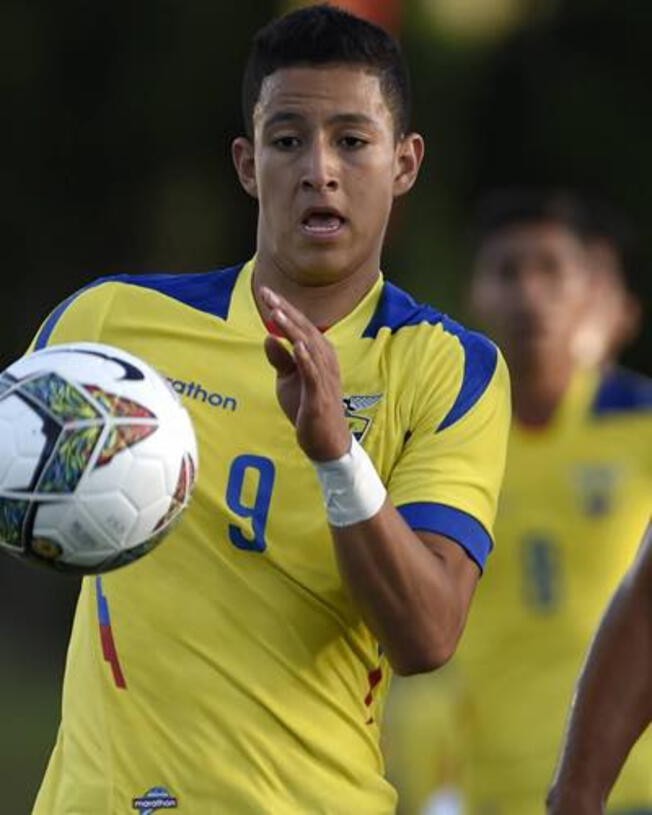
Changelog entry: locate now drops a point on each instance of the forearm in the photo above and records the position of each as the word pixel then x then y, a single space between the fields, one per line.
pixel 413 590
pixel 412 597
pixel 612 706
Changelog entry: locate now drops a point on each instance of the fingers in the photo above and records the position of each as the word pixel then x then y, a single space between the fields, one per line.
pixel 292 322
pixel 307 369
pixel 314 357
pixel 279 356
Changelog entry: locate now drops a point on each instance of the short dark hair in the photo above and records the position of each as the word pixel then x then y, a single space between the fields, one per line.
pixel 503 208
pixel 322 35
pixel 588 217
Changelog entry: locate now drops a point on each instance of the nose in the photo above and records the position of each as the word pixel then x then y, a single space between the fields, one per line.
pixel 320 170
pixel 528 283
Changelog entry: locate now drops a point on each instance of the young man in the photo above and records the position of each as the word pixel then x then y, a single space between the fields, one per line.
pixel 319 553
pixel 613 705
pixel 576 497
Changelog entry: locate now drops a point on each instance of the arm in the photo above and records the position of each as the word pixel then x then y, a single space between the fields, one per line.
pixel 413 590
pixel 613 703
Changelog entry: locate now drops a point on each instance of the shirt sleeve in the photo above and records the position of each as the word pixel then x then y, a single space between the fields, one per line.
pixel 78 318
pixel 447 479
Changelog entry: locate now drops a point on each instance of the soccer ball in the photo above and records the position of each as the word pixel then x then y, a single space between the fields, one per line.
pixel 98 458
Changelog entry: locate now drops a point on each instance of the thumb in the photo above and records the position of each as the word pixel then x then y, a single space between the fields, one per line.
pixel 279 356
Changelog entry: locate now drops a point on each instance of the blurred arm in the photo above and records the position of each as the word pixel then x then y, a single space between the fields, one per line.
pixel 613 703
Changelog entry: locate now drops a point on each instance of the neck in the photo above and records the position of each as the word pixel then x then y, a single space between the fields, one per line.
pixel 324 302
pixel 538 385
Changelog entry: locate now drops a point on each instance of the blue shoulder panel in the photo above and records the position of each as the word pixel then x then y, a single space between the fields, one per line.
pixel 453 523
pixel 396 309
pixel 208 291
pixel 480 359
pixel 622 391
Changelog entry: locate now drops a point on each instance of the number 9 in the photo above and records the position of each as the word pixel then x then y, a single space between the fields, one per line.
pixel 260 509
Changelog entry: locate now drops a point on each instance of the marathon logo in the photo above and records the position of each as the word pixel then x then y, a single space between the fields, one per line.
pixel 155 799
pixel 194 390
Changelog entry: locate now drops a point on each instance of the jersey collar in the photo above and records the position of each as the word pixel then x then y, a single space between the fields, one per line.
pixel 573 409
pixel 244 314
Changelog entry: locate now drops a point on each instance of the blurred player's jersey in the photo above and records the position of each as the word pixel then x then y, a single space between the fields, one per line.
pixel 577 497
pixel 228 671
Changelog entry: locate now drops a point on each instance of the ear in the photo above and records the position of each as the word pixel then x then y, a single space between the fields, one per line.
pixel 409 155
pixel 242 152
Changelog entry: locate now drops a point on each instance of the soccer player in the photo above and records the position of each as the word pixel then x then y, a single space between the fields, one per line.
pixel 352 443
pixel 613 704
pixel 577 496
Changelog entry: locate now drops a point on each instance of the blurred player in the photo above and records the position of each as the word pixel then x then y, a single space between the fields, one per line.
pixel 242 667
pixel 613 704
pixel 613 318
pixel 577 495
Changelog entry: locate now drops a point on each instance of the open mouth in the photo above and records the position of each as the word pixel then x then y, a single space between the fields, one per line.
pixel 322 223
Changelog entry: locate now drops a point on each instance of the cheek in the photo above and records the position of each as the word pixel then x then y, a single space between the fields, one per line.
pixel 576 299
pixel 488 298
pixel 372 189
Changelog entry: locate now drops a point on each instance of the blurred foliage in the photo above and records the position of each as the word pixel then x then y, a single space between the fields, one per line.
pixel 117 124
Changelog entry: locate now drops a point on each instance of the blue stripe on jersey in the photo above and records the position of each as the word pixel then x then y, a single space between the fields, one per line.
pixel 102 605
pixel 51 322
pixel 396 309
pixel 210 292
pixel 622 392
pixel 453 523
pixel 480 359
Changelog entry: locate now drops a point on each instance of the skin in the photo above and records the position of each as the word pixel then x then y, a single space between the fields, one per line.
pixel 325 137
pixel 532 288
pixel 613 703
pixel 615 317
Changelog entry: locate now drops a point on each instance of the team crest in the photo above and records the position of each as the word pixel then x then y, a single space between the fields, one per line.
pixel 359 411
pixel 596 485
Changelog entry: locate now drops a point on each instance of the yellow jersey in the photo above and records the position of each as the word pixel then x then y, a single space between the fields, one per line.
pixel 229 671
pixel 576 499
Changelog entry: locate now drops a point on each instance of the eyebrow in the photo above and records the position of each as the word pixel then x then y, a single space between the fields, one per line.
pixel 339 118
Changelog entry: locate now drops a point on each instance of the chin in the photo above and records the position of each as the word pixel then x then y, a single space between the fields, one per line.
pixel 320 267
pixel 535 348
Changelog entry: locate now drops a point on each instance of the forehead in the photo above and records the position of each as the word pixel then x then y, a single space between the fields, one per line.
pixel 319 92
pixel 531 238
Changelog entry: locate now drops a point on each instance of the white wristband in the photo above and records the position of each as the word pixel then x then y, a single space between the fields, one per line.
pixel 352 488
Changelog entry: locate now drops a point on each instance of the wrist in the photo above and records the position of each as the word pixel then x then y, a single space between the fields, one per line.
pixel 352 489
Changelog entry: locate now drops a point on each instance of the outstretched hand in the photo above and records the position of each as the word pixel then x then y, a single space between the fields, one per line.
pixel 308 384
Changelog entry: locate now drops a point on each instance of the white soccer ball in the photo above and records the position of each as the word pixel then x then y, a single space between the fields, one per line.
pixel 98 458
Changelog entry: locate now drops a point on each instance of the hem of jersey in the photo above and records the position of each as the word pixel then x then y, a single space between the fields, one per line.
pixel 454 523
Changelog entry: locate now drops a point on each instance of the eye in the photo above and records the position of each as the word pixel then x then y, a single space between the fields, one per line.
pixel 352 142
pixel 286 142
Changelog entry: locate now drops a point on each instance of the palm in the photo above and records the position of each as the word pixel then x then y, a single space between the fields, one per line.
pixel 288 380
pixel 308 384
pixel 289 392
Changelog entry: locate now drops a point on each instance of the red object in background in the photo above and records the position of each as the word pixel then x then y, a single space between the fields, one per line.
pixel 386 13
